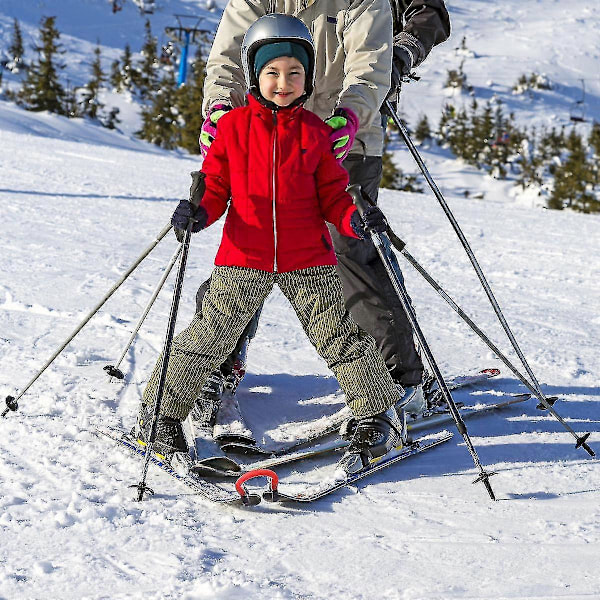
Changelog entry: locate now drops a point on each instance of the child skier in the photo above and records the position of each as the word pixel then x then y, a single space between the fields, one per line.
pixel 272 168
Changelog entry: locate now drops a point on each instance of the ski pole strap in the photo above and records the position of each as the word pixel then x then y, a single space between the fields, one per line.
pixel 272 478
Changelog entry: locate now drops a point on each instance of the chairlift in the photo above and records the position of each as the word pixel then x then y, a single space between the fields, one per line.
pixel 577 110
pixel 185 35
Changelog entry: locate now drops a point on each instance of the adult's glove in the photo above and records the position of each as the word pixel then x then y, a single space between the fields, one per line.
pixel 372 220
pixel 183 213
pixel 345 125
pixel 208 132
pixel 402 64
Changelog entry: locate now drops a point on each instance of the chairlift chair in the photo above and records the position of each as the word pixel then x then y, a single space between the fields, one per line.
pixel 577 110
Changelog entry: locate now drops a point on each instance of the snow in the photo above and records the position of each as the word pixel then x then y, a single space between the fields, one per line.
pixel 79 204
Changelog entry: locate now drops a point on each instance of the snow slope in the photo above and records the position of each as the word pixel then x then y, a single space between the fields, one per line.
pixel 78 204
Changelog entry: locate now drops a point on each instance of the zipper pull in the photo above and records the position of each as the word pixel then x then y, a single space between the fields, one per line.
pixel 275 118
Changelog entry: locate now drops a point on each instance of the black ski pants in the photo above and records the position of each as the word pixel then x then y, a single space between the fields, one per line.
pixel 368 293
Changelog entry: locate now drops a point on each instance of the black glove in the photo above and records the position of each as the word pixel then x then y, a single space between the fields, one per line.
pixel 402 62
pixel 183 213
pixel 372 220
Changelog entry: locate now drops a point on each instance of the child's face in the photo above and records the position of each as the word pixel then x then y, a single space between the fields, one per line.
pixel 282 80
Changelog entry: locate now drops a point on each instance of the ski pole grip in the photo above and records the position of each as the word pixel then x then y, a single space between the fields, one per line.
pixel 197 188
pixel 358 198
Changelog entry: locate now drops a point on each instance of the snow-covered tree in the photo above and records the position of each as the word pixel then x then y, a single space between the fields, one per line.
pixel 159 117
pixel 90 101
pixel 122 72
pixel 16 51
pixel 146 78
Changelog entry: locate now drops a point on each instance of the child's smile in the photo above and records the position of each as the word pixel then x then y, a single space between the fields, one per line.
pixel 282 80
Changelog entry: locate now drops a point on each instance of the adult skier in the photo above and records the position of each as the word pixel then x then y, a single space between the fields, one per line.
pixel 276 233
pixel 357 44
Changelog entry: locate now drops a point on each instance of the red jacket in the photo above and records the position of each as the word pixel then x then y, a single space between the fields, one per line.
pixel 284 183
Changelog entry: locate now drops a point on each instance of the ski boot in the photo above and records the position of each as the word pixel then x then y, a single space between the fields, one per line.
pixel 412 401
pixel 170 437
pixel 206 407
pixel 371 438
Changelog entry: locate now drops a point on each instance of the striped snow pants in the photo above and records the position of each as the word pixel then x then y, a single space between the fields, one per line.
pixel 234 296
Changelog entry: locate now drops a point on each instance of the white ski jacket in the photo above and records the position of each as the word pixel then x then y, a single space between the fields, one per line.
pixel 353 45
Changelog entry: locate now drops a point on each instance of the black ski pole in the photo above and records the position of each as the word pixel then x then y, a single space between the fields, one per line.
pixel 400 246
pixel 382 245
pixel 142 488
pixel 114 370
pixel 581 441
pixel 11 401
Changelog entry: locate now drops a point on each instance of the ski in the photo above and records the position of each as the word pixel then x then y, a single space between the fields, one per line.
pixel 312 492
pixel 327 426
pixel 433 420
pixel 209 490
pixel 230 427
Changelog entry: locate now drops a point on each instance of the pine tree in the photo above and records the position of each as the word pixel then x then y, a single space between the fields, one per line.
pixel 115 78
pixel 393 178
pixel 42 89
pixel 123 75
pixel 457 79
pixel 390 178
pixel 594 144
pixel 552 146
pixel 112 119
pixel 574 180
pixel 15 50
pixel 146 78
pixel 72 107
pixel 90 100
pixel 594 138
pixel 159 118
pixel 189 103
pixel 446 123
pixel 423 130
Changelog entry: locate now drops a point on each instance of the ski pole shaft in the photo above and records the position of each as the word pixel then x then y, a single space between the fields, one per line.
pixel 12 402
pixel 382 246
pixel 114 370
pixel 400 246
pixel 141 486
pixel 581 440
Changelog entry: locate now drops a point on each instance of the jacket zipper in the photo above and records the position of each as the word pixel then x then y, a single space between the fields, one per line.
pixel 273 184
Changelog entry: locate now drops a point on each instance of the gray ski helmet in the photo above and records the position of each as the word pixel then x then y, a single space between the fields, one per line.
pixel 276 28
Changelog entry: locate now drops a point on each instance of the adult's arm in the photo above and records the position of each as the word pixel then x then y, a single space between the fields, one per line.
pixel 224 80
pixel 422 25
pixel 368 48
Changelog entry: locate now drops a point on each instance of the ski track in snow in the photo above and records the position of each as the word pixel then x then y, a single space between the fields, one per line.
pixel 79 204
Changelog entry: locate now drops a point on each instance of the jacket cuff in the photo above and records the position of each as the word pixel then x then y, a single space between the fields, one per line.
pixel 345 224
pixel 413 45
